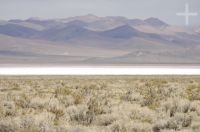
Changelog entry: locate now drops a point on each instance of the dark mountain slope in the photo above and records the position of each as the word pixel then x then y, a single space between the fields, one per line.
pixel 17 30
pixel 155 22
pixel 66 33
pixel 122 32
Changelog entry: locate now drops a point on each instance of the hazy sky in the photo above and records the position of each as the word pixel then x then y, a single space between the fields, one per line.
pixel 163 9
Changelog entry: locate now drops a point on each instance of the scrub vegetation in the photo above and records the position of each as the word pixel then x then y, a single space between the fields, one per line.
pixel 100 104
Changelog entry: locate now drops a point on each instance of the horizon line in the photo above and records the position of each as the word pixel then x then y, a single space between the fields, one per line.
pixel 90 14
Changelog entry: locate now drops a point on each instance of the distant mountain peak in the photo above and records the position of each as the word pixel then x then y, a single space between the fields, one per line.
pixel 84 18
pixel 155 22
pixel 136 22
pixel 76 23
pixel 125 31
pixel 91 15
pixel 126 27
pixel 35 19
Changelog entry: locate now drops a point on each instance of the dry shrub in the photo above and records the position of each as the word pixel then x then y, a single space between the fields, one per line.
pixel 80 115
pixel 105 119
pixel 95 106
pixel 179 121
pixel 150 95
pixel 195 107
pixel 26 124
pixel 67 100
pixel 142 114
pixel 45 118
pixel 78 129
pixel 78 98
pixel 140 127
pixel 62 91
pixel 38 103
pixel 193 92
pixel 160 125
pixel 132 97
pixel 56 108
pixel 8 108
pixel 23 100
pixel 118 126
pixel 196 126
pixel 174 105
pixel 6 126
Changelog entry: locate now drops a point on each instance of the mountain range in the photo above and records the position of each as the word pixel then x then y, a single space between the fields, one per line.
pixel 92 40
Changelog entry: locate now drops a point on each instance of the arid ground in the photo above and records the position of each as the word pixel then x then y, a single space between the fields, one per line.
pixel 99 103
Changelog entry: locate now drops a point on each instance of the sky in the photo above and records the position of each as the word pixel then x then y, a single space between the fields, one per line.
pixel 163 9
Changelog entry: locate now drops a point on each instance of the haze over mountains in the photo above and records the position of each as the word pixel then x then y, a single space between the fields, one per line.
pixel 92 40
